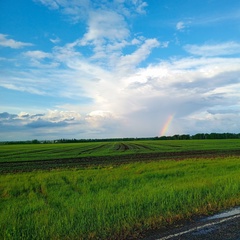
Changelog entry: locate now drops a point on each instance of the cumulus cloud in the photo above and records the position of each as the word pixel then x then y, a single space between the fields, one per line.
pixel 105 24
pixel 130 61
pixel 53 122
pixel 108 35
pixel 5 41
pixel 197 92
pixel 136 101
pixel 52 118
pixel 126 96
pixel 100 119
pixel 107 31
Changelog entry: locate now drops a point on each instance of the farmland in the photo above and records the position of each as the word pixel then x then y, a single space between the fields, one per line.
pixel 113 190
pixel 27 157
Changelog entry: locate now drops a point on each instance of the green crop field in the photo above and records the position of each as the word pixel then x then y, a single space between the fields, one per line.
pixel 142 185
pixel 31 152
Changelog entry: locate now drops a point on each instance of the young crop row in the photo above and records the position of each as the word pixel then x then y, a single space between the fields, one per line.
pixel 114 202
pixel 31 152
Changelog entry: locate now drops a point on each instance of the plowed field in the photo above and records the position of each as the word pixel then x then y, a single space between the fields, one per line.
pixel 28 157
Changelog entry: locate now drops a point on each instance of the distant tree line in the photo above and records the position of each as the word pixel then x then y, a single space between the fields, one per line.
pixel 216 136
pixel 202 136
pixel 174 137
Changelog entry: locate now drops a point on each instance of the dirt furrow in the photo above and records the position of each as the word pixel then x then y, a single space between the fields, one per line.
pixel 81 162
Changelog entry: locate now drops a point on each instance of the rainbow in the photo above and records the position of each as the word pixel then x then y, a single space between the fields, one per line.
pixel 166 125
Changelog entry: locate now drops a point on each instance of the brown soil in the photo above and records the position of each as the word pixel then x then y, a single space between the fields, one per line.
pixel 83 162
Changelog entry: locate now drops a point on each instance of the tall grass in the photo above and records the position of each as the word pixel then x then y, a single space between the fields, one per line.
pixel 114 202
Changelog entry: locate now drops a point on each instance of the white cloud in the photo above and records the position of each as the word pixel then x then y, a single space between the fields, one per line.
pixel 51 116
pixel 99 119
pixel 79 10
pixel 41 59
pixel 63 54
pixel 11 43
pixel 37 54
pixel 55 40
pixel 75 10
pixel 105 25
pixel 198 92
pixel 52 4
pixel 130 61
pixel 125 97
pixel 180 26
pixel 140 6
pixel 164 44
pixel 19 84
pixel 49 124
pixel 56 116
pixel 227 48
pixel 107 32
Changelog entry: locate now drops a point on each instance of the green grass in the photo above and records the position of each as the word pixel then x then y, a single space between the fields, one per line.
pixel 31 152
pixel 114 201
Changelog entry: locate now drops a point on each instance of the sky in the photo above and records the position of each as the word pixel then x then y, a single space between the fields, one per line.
pixel 122 68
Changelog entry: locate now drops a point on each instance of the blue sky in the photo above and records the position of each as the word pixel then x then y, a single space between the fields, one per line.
pixel 120 68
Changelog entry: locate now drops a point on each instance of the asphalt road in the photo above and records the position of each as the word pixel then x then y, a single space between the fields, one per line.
pixel 212 228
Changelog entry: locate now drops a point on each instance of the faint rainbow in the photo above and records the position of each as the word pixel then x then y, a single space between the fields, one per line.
pixel 166 125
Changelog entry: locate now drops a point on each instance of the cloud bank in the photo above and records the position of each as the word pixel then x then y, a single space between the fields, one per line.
pixel 127 96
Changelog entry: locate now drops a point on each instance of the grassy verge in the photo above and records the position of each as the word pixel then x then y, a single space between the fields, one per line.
pixel 114 202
